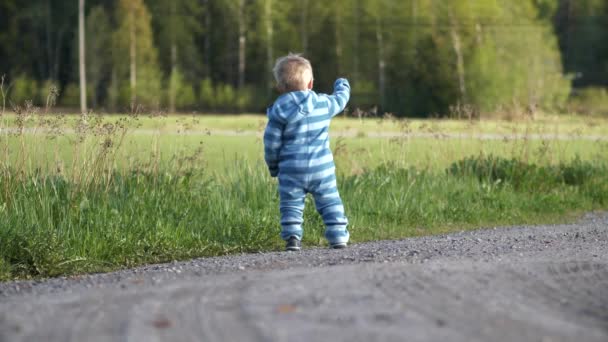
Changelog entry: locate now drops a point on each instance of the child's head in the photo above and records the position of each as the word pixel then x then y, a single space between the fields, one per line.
pixel 293 73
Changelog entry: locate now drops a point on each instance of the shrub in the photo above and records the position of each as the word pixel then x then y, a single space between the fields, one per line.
pixel 592 100
pixel 49 91
pixel 24 89
pixel 70 96
pixel 494 169
pixel 225 97
pixel 183 91
pixel 207 94
pixel 244 98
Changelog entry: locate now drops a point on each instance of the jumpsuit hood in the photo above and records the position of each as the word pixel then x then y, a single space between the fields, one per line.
pixel 294 105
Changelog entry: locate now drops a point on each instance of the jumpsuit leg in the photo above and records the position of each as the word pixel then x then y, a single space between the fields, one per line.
pixel 330 207
pixel 292 195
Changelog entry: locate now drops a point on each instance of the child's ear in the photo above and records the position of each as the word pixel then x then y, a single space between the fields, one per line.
pixel 310 84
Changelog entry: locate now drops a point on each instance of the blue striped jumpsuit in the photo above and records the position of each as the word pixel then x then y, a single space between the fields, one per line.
pixel 296 149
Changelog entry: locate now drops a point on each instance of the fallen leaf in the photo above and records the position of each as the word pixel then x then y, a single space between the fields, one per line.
pixel 161 323
pixel 286 308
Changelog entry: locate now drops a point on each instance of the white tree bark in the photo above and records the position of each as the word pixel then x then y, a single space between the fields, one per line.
pixel 304 25
pixel 269 45
pixel 133 54
pixel 207 41
pixel 242 43
pixel 338 25
pixel 172 85
pixel 81 58
pixel 381 61
pixel 456 44
pixel 356 40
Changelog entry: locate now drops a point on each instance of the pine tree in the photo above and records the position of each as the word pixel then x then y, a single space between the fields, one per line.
pixel 81 56
pixel 176 24
pixel 135 56
pixel 98 52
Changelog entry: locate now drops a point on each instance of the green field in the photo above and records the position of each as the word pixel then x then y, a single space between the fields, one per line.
pixel 542 123
pixel 120 191
pixel 425 144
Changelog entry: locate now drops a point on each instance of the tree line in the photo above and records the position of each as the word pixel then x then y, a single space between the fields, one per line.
pixel 408 57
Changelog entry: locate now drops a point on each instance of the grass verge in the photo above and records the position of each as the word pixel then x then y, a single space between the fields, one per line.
pixel 53 224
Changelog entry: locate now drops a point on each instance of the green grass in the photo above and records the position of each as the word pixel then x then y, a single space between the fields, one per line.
pixel 110 197
pixel 544 124
pixel 353 155
pixel 50 226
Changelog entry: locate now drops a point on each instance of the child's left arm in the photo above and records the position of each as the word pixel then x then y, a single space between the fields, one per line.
pixel 273 141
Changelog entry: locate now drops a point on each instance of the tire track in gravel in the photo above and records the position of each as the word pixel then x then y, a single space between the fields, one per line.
pixel 543 283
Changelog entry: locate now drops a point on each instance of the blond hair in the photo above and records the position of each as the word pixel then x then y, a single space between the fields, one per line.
pixel 292 72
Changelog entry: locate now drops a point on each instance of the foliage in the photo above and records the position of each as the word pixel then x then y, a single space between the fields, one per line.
pixel 582 28
pixel 225 98
pixel 98 53
pixel 590 100
pixel 499 170
pixel 207 93
pixel 70 96
pixel 183 92
pixel 174 34
pixel 24 89
pixel 412 57
pixel 134 22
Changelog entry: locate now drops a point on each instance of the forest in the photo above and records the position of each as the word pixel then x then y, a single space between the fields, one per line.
pixel 415 58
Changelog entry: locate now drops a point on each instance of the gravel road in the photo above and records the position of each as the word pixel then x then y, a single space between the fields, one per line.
pixel 542 283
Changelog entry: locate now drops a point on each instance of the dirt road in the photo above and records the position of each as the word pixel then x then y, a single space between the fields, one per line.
pixel 545 283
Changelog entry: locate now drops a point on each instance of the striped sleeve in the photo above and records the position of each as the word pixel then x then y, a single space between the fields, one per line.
pixel 273 141
pixel 338 100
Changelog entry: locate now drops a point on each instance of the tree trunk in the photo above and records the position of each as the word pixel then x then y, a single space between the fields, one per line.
pixel 55 67
pixel 172 85
pixel 269 45
pixel 133 54
pixel 338 24
pixel 207 42
pixel 242 43
pixel 459 58
pixel 357 37
pixel 414 26
pixel 304 26
pixel 81 59
pixel 478 28
pixel 381 62
pixel 49 41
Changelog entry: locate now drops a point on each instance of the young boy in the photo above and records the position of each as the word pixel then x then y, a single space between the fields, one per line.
pixel 296 148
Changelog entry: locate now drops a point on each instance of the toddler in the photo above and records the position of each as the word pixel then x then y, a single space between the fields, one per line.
pixel 296 150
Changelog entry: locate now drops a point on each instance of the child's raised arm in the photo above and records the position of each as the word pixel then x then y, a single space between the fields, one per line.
pixel 338 100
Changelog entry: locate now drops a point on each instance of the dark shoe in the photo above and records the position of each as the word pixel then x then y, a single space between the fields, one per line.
pixel 293 244
pixel 338 245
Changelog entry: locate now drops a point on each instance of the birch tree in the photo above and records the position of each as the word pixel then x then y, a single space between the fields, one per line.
pixel 242 21
pixel 175 32
pixel 134 43
pixel 269 23
pixel 98 52
pixel 81 54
